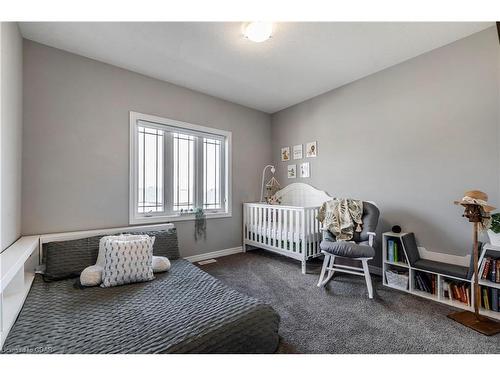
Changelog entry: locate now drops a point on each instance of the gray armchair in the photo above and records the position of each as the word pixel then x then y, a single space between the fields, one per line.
pixel 361 249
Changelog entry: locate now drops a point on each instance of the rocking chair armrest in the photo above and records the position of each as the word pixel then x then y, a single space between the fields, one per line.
pixel 371 236
pixel 324 232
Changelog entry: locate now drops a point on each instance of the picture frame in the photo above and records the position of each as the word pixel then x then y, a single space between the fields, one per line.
pixel 311 149
pixel 285 153
pixel 305 170
pixel 297 152
pixel 292 171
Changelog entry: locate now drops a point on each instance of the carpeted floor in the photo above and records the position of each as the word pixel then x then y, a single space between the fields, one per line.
pixel 340 318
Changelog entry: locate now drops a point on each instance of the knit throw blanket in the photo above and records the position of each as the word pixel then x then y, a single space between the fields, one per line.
pixel 342 216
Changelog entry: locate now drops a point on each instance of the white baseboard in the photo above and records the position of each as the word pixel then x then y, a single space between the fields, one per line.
pixel 214 254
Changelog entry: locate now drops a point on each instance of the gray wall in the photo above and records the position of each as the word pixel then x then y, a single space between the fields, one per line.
pixel 11 133
pixel 76 144
pixel 412 138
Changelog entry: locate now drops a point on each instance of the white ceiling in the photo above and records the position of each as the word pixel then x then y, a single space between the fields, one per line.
pixel 300 61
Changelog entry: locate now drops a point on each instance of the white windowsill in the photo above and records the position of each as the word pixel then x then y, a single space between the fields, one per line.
pixel 172 218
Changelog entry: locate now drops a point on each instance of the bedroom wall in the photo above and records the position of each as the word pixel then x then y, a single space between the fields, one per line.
pixel 10 133
pixel 76 144
pixel 412 138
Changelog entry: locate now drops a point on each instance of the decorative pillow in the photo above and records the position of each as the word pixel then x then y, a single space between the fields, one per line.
pixel 127 261
pixel 160 264
pixel 166 244
pixel 91 276
pixel 67 259
pixel 122 237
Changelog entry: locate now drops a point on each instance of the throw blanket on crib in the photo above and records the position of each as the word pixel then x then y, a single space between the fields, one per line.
pixel 340 216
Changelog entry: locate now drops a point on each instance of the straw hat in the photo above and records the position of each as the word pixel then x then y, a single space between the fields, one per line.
pixel 476 197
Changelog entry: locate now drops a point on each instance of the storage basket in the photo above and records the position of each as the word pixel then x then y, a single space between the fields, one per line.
pixel 398 280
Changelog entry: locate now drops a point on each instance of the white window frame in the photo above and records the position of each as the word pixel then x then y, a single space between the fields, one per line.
pixel 167 124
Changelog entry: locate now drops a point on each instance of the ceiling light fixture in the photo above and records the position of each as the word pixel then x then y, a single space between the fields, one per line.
pixel 258 31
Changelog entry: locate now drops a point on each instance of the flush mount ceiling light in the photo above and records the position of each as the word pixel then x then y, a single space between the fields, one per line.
pixel 258 31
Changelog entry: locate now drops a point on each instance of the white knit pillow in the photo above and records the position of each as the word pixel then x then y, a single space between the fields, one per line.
pixel 127 260
pixel 102 241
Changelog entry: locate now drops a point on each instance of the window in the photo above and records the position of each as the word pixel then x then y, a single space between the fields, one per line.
pixel 175 168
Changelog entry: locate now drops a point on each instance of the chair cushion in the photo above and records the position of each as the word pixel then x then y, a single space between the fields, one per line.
pixel 370 220
pixel 348 249
pixel 410 245
pixel 443 268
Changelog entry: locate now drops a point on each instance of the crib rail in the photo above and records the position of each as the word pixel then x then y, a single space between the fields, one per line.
pixel 288 230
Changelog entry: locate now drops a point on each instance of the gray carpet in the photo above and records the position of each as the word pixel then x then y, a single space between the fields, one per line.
pixel 340 318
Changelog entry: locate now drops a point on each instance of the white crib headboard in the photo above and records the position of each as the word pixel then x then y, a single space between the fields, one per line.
pixel 302 195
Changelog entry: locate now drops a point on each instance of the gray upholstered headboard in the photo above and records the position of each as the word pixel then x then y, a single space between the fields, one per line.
pixel 55 237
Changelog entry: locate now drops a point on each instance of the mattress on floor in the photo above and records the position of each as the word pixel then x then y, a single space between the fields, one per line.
pixel 182 311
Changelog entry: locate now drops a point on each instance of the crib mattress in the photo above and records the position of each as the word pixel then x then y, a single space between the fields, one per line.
pixel 182 311
pixel 291 236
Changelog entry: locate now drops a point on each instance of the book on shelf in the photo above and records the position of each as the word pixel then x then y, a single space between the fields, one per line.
pixel 420 284
pixel 490 298
pixel 395 252
pixel 446 290
pixel 426 282
pixel 490 269
pixel 486 300
pixel 493 273
pixel 494 299
pixel 390 250
pixel 457 291
pixel 463 292
pixel 485 267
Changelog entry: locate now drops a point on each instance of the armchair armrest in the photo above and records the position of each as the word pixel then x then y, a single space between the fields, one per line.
pixel 324 234
pixel 371 236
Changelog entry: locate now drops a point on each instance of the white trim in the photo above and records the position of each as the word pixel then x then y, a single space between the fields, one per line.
pixel 180 217
pixel 14 257
pixel 134 217
pixel 18 263
pixel 214 254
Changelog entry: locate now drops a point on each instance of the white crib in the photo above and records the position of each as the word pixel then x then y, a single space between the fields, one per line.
pixel 291 228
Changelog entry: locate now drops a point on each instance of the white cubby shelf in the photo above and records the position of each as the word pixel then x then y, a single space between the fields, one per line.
pixel 440 278
pixel 18 263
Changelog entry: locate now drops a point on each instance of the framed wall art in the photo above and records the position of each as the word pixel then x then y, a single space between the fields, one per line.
pixel 297 152
pixel 311 149
pixel 304 170
pixel 285 153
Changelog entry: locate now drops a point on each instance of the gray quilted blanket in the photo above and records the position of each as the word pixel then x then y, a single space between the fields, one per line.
pixel 182 311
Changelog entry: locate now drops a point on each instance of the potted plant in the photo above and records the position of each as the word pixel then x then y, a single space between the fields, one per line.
pixel 494 230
